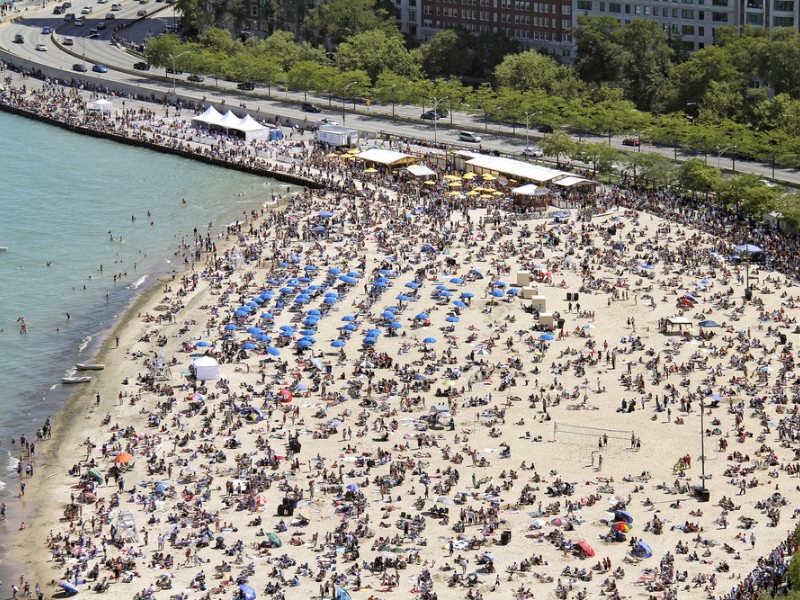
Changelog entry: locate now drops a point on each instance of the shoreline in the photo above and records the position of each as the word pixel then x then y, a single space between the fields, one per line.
pixel 252 169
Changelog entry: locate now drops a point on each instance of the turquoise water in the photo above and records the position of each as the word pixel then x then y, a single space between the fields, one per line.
pixel 60 196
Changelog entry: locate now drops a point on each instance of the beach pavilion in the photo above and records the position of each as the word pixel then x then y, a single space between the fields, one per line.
pixel 386 158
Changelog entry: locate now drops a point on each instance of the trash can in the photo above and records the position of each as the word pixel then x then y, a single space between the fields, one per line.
pixel 505 538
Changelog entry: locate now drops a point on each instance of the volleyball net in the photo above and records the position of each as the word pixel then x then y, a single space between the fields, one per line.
pixel 565 429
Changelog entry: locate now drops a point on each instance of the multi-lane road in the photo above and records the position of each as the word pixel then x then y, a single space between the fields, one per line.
pixel 92 44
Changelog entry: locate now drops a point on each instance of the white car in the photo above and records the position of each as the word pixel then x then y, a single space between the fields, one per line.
pixel 533 152
pixel 41 47
pixel 468 136
pixel 328 121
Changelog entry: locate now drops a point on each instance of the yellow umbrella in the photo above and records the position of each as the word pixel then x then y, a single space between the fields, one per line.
pixel 354 151
pixel 454 194
pixel 488 177
pixel 453 177
pixel 333 155
pixel 486 195
pixel 469 175
pixel 497 193
pixel 370 170
pixel 349 157
pixel 429 182
pixel 472 193
pixel 454 184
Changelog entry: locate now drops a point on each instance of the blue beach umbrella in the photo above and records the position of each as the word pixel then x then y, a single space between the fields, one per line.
pixel 337 343
pixel 421 316
pixel 334 271
pixel 349 327
pixel 452 319
pixel 547 337
pixel 231 327
pixel 459 304
pixel 429 340
pixel 467 295
pixel 202 344
pixel 273 351
pixel 348 318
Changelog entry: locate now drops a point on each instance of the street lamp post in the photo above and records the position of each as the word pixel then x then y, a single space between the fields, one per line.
pixel 527 124
pixel 344 97
pixel 174 58
pixel 436 102
pixel 719 157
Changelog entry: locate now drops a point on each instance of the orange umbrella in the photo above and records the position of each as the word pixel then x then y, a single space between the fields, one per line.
pixel 122 458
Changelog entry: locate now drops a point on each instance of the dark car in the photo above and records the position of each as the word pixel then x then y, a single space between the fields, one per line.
pixel 141 66
pixel 81 68
pixel 46 30
pixel 58 10
pixel 19 39
pixel 196 78
pixel 247 86
pixel 308 107
pixel 101 25
pixel 172 71
pixel 433 115
pixel 631 142
pixel 100 69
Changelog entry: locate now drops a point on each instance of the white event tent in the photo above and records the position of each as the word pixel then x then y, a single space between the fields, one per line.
pixel 247 126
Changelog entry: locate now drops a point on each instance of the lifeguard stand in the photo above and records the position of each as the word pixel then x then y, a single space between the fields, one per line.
pixel 126 527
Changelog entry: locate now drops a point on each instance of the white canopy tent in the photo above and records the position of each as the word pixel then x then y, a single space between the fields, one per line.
pixel 252 129
pixel 205 368
pixel 389 158
pixel 420 171
pixel 102 105
pixel 516 169
pixel 572 181
pixel 530 190
pixel 209 117
pixel 229 120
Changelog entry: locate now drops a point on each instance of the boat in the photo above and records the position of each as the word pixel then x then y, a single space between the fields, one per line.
pixel 75 379
pixel 89 366
pixel 3 248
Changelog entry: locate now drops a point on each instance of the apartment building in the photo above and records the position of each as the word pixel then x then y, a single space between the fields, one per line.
pixel 542 24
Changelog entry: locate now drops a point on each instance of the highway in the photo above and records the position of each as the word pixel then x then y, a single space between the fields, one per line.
pixel 99 49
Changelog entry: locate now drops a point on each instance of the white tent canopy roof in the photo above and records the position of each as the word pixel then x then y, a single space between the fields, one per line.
pixel 102 105
pixel 385 157
pixel 209 117
pixel 571 180
pixel 679 321
pixel 530 190
pixel 420 170
pixel 229 120
pixel 515 168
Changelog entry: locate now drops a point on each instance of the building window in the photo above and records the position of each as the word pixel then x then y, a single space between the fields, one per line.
pixel 719 17
pixel 783 21
pixel 754 19
pixel 566 9
pixel 687 14
pixel 784 6
pixel 614 7
pixel 637 10
pixel 687 30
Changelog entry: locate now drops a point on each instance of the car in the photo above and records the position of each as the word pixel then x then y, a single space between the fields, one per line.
pixel 433 115
pixel 328 121
pixel 100 69
pixel 41 47
pixel 46 30
pixel 172 71
pixel 67 5
pixel 308 107
pixel 116 7
pixel 101 26
pixel 110 16
pixel 86 10
pixel 532 152
pixel 141 13
pixel 468 136
pixel 19 39
pixel 81 68
pixel 247 86
pixel 67 41
pixel 69 17
pixel 631 142
pixel 58 10
pixel 80 21
pixel 196 78
pixel 141 66
pixel 768 183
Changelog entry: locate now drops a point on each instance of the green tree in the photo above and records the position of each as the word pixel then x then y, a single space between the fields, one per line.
pixel 696 176
pixel 531 70
pixel 599 155
pixel 218 40
pixel 558 144
pixel 194 16
pixel 597 52
pixel 159 51
pixel 337 20
pixel 747 193
pixel 266 70
pixel 374 51
pixel 456 93
pixel 391 88
pixel 672 129
pixel 443 55
pixel 645 62
pixel 484 99
pixel 304 75
pixel 659 170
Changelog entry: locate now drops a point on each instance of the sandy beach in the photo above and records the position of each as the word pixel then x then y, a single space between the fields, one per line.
pixel 400 410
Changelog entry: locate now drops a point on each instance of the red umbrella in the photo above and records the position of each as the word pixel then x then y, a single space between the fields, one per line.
pixel 586 548
pixel 122 458
pixel 286 395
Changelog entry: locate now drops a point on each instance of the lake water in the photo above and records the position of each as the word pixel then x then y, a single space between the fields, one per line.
pixel 68 200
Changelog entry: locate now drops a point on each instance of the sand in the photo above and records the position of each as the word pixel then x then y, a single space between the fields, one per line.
pixel 634 469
